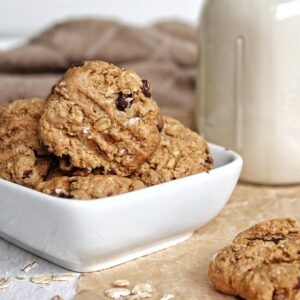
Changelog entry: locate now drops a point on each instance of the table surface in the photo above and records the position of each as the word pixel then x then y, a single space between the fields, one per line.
pixel 13 259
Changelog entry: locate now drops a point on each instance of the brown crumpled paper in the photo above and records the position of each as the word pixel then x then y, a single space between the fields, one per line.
pixel 182 270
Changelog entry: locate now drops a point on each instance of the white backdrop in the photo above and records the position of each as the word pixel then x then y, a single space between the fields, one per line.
pixel 25 17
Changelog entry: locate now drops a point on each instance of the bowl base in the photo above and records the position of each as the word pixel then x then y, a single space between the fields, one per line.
pixel 102 264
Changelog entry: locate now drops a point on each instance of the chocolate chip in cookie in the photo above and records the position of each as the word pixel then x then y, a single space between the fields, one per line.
pixel 124 102
pixel 297 285
pixel 146 89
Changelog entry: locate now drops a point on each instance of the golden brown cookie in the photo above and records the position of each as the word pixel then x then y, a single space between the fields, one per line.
pixel 89 187
pixel 262 263
pixel 102 116
pixel 181 153
pixel 23 159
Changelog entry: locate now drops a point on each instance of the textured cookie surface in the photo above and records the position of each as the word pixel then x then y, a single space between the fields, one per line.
pixel 102 116
pixel 22 157
pixel 262 263
pixel 181 153
pixel 89 187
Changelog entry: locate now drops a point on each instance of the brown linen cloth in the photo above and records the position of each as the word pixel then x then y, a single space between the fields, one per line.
pixel 164 53
pixel 182 270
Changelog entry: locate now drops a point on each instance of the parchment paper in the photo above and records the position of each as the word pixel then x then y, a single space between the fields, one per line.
pixel 182 270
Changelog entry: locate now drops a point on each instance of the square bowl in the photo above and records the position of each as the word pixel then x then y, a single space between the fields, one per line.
pixel 86 236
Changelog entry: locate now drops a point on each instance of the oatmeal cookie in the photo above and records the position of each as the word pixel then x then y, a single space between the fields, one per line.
pixel 100 115
pixel 181 153
pixel 262 263
pixel 89 187
pixel 23 159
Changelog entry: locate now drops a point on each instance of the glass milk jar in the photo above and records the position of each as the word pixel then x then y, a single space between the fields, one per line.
pixel 249 84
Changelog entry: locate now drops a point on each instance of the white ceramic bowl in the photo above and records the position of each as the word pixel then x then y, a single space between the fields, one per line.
pixel 91 235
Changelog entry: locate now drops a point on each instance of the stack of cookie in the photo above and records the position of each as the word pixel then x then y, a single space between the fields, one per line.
pixel 99 133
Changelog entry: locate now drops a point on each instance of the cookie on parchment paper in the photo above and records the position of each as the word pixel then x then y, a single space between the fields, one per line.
pixel 262 263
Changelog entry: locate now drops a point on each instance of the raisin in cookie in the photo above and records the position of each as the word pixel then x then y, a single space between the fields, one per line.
pixel 181 153
pixel 89 187
pixel 102 116
pixel 262 263
pixel 23 159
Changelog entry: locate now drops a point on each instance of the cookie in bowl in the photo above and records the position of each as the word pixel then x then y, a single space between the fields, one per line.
pixel 181 153
pixel 100 115
pixel 23 159
pixel 89 187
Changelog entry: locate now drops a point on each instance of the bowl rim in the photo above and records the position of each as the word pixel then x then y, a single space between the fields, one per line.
pixel 235 161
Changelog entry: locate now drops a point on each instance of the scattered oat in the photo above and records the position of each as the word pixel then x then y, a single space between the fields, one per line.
pixel 64 277
pixel 57 297
pixel 141 288
pixel 167 297
pixel 21 277
pixel 29 266
pixel 47 279
pixel 121 283
pixel 117 293
pixel 139 296
pixel 41 279
pixel 4 283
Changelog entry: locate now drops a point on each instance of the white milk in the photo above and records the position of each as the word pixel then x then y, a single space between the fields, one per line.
pixel 249 84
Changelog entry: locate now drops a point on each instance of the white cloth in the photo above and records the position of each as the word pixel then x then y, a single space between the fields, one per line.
pixel 13 259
